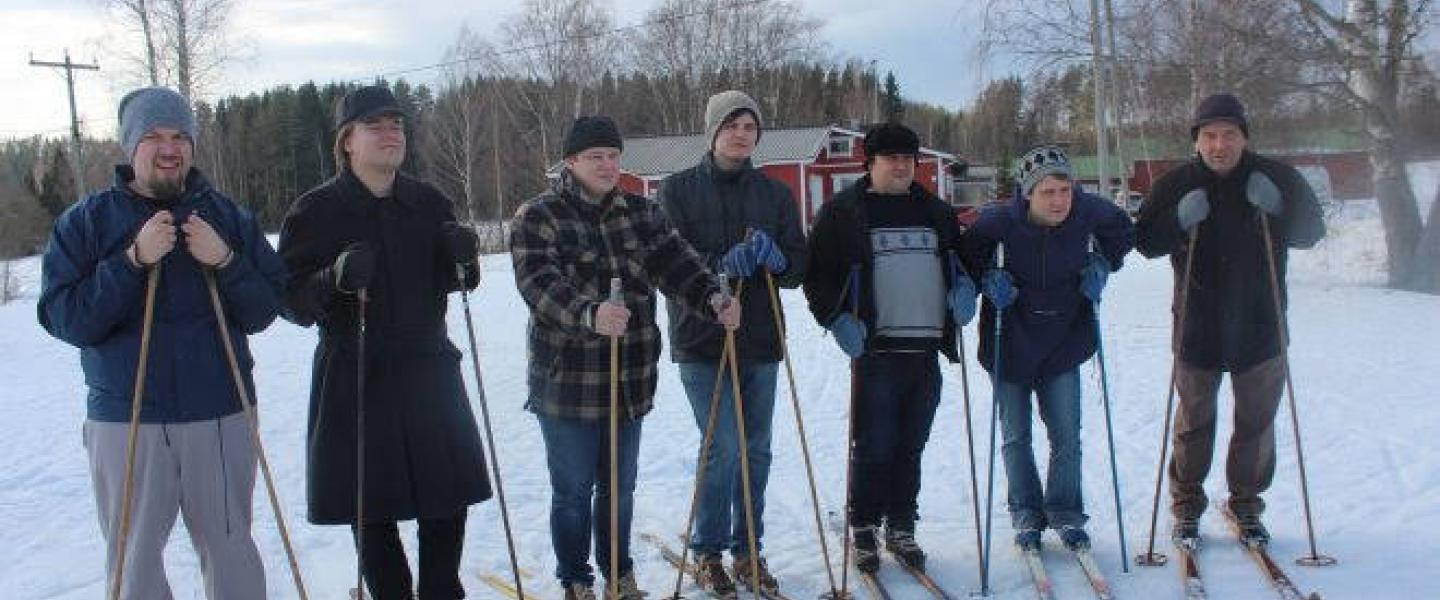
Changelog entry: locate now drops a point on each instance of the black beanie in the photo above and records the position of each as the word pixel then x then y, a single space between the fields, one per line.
pixel 592 132
pixel 890 138
pixel 1219 107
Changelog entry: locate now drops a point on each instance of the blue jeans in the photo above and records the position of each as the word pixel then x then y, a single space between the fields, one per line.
pixel 720 522
pixel 892 415
pixel 577 452
pixel 1060 502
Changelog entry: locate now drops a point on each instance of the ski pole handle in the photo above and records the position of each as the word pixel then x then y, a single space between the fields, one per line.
pixel 616 297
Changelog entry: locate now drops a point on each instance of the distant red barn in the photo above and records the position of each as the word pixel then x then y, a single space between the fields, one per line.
pixel 1349 173
pixel 814 162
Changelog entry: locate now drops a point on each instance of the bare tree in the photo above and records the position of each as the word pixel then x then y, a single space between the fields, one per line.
pixel 141 14
pixel 699 46
pixel 194 33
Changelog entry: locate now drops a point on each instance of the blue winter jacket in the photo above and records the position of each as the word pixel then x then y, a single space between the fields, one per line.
pixel 1050 328
pixel 93 298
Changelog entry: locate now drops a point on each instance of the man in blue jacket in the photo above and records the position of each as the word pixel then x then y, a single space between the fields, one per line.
pixel 194 453
pixel 1060 245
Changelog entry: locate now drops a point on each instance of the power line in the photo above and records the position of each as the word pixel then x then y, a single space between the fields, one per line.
pixel 564 40
pixel 75 143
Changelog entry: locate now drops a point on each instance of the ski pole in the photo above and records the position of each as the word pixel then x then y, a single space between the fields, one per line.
pixel 743 442
pixel 957 270
pixel 489 432
pixel 703 460
pixel 994 421
pixel 617 299
pixel 362 298
pixel 152 281
pixel 800 430
pixel 853 285
pixel 243 393
pixel 1314 559
pixel 1151 558
pixel 1109 427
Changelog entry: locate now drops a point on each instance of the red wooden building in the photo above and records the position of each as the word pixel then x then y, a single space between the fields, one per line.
pixel 815 162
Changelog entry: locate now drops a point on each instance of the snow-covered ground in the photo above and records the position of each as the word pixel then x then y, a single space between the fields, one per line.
pixel 1366 369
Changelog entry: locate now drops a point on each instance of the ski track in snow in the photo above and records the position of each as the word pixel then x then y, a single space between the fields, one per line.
pixel 1366 367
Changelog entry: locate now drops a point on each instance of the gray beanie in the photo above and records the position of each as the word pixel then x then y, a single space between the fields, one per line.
pixel 1042 162
pixel 721 106
pixel 147 108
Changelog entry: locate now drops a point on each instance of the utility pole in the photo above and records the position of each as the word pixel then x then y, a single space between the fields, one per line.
pixel 1097 70
pixel 1113 65
pixel 75 142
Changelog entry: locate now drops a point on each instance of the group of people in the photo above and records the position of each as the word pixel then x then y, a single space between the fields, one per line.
pixel 889 269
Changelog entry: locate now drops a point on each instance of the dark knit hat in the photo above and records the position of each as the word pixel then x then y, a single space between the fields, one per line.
pixel 722 106
pixel 592 132
pixel 365 103
pixel 1219 107
pixel 147 108
pixel 890 138
pixel 1042 162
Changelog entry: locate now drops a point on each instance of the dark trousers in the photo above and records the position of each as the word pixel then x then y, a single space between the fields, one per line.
pixel 387 574
pixel 898 395
pixel 1250 465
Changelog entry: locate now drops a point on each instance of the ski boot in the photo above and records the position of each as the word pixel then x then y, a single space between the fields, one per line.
pixel 712 576
pixel 1252 531
pixel 1028 540
pixel 579 591
pixel 901 543
pixel 768 584
pixel 1074 538
pixel 1185 533
pixel 867 549
pixel 629 590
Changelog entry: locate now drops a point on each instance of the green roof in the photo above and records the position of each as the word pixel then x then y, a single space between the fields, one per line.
pixel 1088 166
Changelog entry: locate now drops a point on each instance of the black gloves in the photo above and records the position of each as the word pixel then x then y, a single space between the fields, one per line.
pixel 354 268
pixel 461 241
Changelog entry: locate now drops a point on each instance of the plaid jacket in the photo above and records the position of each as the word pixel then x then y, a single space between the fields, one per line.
pixel 565 250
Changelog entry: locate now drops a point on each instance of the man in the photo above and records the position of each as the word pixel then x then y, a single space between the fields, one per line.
pixel 1060 244
pixel 193 452
pixel 374 251
pixel 745 225
pixel 1218 205
pixel 884 280
pixel 567 245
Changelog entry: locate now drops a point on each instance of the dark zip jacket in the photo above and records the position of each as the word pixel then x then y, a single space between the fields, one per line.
pixel 713 210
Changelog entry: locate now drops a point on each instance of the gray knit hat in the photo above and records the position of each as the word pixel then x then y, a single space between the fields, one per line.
pixel 721 106
pixel 1042 162
pixel 147 108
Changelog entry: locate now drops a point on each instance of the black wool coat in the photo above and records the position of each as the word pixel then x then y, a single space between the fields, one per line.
pixel 1230 321
pixel 423 456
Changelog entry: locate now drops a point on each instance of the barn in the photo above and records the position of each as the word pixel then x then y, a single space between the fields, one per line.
pixel 814 162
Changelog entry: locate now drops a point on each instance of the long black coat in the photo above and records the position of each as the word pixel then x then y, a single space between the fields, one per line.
pixel 422 448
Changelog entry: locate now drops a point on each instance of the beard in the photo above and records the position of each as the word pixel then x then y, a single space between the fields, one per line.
pixel 167 189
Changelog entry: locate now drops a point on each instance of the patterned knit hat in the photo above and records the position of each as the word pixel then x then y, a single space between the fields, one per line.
pixel 1042 162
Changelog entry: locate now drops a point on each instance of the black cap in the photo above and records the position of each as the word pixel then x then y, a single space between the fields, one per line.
pixel 1219 107
pixel 592 132
pixel 364 103
pixel 890 138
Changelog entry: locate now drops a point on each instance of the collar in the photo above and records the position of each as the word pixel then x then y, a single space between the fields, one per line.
pixel 403 192
pixel 568 187
pixel 711 169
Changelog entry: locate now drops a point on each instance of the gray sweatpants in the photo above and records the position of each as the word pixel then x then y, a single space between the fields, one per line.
pixel 203 470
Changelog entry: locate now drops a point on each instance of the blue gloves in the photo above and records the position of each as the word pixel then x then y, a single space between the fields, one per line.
pixel 1194 207
pixel 849 334
pixel 999 287
pixel 961 300
pixel 1261 191
pixel 756 251
pixel 1093 276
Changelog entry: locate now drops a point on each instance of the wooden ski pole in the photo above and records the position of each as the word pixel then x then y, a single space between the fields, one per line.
pixel 617 298
pixel 242 392
pixel 152 282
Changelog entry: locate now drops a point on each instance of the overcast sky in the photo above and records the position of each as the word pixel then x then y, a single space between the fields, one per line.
pixel 929 45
